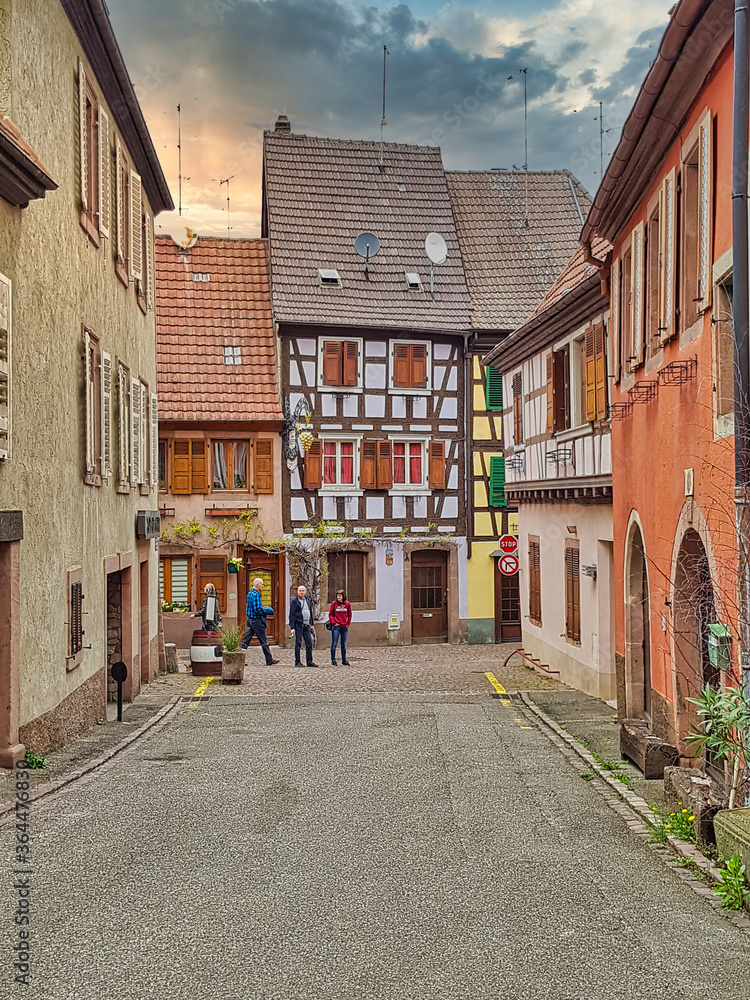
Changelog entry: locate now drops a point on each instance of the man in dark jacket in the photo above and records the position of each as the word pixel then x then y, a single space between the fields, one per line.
pixel 256 621
pixel 301 624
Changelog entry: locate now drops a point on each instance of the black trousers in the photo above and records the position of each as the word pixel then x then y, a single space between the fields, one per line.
pixel 257 627
pixel 303 632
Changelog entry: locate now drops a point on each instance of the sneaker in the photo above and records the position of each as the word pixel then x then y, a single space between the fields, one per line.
pixel 271 663
pixel 345 663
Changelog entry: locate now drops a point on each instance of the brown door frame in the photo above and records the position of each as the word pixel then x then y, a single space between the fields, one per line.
pixel 275 563
pixel 452 608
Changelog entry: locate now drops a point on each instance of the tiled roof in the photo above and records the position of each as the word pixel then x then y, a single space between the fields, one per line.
pixel 196 318
pixel 573 274
pixel 517 231
pixel 321 194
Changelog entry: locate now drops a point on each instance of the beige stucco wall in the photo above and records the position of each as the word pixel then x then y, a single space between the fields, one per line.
pixel 60 280
pixel 588 666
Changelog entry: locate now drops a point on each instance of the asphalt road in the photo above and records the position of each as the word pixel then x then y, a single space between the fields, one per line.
pixel 367 847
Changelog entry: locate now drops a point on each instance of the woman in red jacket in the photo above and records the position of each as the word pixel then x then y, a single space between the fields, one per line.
pixel 340 616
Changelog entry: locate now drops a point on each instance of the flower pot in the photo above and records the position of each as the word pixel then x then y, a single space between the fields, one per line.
pixel 233 666
pixel 232 569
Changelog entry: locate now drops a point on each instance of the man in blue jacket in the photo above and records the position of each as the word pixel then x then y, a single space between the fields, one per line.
pixel 301 624
pixel 256 621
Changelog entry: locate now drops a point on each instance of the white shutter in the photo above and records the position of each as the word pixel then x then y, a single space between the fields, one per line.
pixel 614 320
pixel 668 255
pixel 83 132
pixel 144 453
pixel 705 185
pixel 149 277
pixel 106 457
pixel 119 207
pixel 135 430
pixel 135 250
pixel 89 410
pixel 6 319
pixel 636 296
pixel 105 173
pixel 154 441
pixel 124 421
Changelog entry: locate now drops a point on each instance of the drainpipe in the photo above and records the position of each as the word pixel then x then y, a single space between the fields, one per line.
pixel 741 311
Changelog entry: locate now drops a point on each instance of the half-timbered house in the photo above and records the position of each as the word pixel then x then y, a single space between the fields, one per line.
pixel 372 349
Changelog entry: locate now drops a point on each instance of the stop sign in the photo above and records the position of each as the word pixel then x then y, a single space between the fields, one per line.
pixel 508 543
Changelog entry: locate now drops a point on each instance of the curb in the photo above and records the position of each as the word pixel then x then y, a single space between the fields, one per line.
pixel 55 786
pixel 638 805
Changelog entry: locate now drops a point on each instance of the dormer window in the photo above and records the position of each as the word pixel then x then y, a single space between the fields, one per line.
pixel 232 355
pixel 413 281
pixel 330 277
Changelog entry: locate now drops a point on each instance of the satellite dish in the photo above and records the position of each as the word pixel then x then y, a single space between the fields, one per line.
pixel 183 235
pixel 367 245
pixel 436 248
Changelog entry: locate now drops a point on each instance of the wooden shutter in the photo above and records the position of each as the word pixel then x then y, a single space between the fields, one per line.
pixel 263 469
pixel 401 366
pixel 83 136
pixel 106 417
pixel 135 430
pixel 493 388
pixel 181 467
pixel 145 450
pixel 535 584
pixel 668 256
pixel 198 468
pixel 572 595
pixel 213 570
pixel 6 317
pixel 332 362
pixel 314 465
pixel 517 409
pixel 637 265
pixel 350 349
pixel 105 174
pixel 590 367
pixel 600 360
pixel 119 198
pixel 154 414
pixel 89 408
pixel 149 262
pixel 135 249
pixel 76 618
pixel 497 481
pixel 614 321
pixel 550 393
pixel 436 452
pixel 123 383
pixel 418 365
pixel 384 471
pixel 368 465
pixel 705 200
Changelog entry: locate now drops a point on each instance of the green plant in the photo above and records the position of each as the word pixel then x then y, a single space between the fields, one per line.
pixel 174 606
pixel 194 527
pixel 731 889
pixel 588 776
pixel 165 534
pixel 679 824
pixel 725 729
pixel 35 761
pixel 213 530
pixel 231 638
pixel 179 529
pixel 247 517
pixel 235 561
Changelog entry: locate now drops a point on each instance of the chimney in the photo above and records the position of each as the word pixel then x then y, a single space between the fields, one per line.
pixel 283 124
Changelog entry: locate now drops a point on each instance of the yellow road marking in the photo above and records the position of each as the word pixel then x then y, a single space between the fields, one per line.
pixel 201 690
pixel 504 699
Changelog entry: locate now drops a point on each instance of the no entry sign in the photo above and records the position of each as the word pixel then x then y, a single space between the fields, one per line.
pixel 508 544
pixel 508 565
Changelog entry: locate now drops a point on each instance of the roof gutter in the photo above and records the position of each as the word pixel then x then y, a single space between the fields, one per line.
pixel 681 24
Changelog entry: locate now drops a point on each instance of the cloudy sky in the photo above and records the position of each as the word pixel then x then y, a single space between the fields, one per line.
pixel 453 80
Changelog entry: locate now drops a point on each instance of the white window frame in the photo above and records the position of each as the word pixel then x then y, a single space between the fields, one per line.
pixel 410 490
pixel 337 490
pixel 397 390
pixel 345 390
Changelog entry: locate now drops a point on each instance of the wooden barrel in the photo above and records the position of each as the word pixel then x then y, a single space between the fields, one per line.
pixel 203 658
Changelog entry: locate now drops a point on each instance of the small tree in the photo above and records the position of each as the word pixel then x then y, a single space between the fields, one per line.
pixel 725 729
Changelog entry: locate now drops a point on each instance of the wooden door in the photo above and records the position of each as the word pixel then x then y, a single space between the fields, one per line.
pixel 258 564
pixel 507 607
pixel 429 599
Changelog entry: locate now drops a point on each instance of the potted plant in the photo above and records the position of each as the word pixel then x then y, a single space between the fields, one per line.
pixel 234 565
pixel 233 658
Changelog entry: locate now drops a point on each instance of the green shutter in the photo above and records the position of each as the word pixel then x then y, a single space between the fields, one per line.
pixel 497 481
pixel 493 388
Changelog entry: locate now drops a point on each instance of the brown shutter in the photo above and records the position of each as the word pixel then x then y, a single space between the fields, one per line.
pixel 314 466
pixel 263 467
pixel 418 365
pixel 384 465
pixel 572 595
pixel 180 467
pixel 213 570
pixel 437 465
pixel 590 366
pixel 350 351
pixel 332 363
pixel 601 371
pixel 401 366
pixel 517 409
pixel 550 393
pixel 368 465
pixel 535 584
pixel 198 476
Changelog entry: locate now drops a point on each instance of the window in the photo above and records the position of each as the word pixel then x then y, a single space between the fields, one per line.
pixel 410 364
pixel 162 465
pixel 189 473
pixel 90 155
pixel 338 463
pixel 76 631
pixel 497 481
pixel 493 388
pixel 535 582
pixel 231 355
pixel 517 409
pixel 408 463
pixel 329 277
pixel 213 570
pixel 558 390
pixel 596 373
pixel 724 356
pixel 696 225
pixel 347 572
pixel 92 408
pixel 572 594
pixel 340 363
pixel 231 465
pixel 174 580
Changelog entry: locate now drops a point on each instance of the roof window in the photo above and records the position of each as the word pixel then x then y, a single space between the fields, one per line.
pixel 232 355
pixel 329 277
pixel 413 281
pixel 201 276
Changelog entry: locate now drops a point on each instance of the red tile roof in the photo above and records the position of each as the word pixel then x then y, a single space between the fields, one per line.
pixel 574 273
pixel 195 319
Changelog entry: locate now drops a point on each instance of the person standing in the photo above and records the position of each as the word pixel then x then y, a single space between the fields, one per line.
pixel 301 624
pixel 340 617
pixel 256 621
pixel 209 610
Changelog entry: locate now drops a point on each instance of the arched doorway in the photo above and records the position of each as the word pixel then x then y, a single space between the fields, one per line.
pixel 693 610
pixel 637 631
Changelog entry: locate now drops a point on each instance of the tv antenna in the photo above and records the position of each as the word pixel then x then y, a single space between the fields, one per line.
pixel 226 181
pixel 383 122
pixel 367 245
pixel 179 153
pixel 602 132
pixel 437 251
